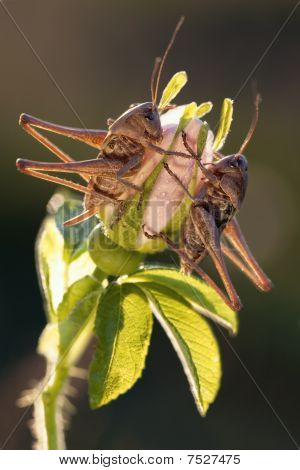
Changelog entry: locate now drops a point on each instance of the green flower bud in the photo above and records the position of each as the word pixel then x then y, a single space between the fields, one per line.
pixel 164 205
pixel 110 258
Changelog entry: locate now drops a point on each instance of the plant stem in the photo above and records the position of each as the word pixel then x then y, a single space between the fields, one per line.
pixel 53 409
pixel 49 421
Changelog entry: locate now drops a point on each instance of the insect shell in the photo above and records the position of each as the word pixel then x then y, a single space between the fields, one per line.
pixel 221 201
pixel 141 122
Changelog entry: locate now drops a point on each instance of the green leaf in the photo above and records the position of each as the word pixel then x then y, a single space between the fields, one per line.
pixel 203 298
pixel 56 270
pixel 75 293
pixel 123 330
pixel 50 264
pixel 75 330
pixel 67 206
pixel 188 114
pixel 193 341
pixel 172 89
pixel 202 137
pixel 203 109
pixel 80 267
pixel 62 342
pixel 224 125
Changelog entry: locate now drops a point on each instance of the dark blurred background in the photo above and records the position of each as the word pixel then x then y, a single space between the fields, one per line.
pixel 101 55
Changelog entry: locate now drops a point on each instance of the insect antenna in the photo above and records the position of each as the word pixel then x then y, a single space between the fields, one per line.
pixel 253 124
pixel 155 67
pixel 161 62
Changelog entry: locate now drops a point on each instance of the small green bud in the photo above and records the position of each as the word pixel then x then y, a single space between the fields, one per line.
pixel 111 258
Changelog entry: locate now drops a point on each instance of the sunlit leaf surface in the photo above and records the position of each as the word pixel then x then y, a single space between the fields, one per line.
pixel 172 89
pixel 193 341
pixel 224 124
pixel 123 330
pixel 203 298
pixel 204 108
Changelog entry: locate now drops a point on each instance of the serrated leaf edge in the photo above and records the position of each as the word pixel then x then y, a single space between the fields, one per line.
pixel 159 315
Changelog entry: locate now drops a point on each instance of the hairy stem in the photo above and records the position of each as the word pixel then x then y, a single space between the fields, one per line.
pixel 52 399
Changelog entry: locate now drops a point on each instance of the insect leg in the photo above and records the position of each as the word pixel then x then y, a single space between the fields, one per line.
pixel 132 163
pixel 92 137
pixel 208 233
pixel 227 251
pixel 171 173
pixel 207 173
pixel 235 236
pixel 29 122
pixel 53 179
pixel 81 217
pixel 35 169
pixel 118 213
pixel 170 152
pixel 194 267
pixel 233 190
pixel 91 167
